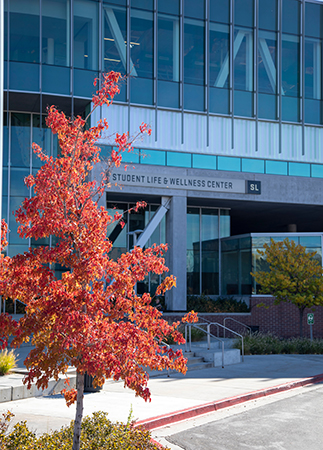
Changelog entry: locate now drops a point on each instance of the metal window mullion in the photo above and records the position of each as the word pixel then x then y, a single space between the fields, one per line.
pixel 279 72
pixel 231 71
pixel 9 176
pixel 72 58
pixel 181 74
pixel 155 46
pixel 8 59
pixel 255 80
pixel 128 59
pixel 40 59
pixel 207 81
pixel 200 235
pixel 302 73
pixel 219 256
pixel 31 156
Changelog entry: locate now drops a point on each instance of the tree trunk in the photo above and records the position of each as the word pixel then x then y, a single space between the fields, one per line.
pixel 79 410
pixel 301 313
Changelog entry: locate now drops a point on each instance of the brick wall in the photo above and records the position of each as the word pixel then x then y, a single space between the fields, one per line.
pixel 281 320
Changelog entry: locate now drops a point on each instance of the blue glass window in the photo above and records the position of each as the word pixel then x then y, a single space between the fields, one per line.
pixel 291 15
pixel 243 12
pixel 177 159
pixel 141 44
pixel 220 11
pixel 17 183
pixel 131 157
pixel 253 165
pixel 5 140
pixel 313 15
pixel 168 94
pixel 24 32
pixel 194 9
pixel 268 14
pixel 41 136
pixel 55 37
pixel 194 51
pixel 194 97
pixel 204 161
pixel 114 40
pixel 310 241
pixel 267 57
pixel 86 28
pixel 313 111
pixel 141 91
pixel 229 163
pixel 267 106
pixel 83 82
pixel 169 6
pixel 168 48
pixel 24 76
pixel 290 65
pixel 243 103
pixel 154 157
pixel 313 80
pixel 243 72
pixel 299 169
pixel 5 181
pixel 219 100
pixel 290 109
pixel 317 170
pixel 20 140
pixel 219 55
pixel 56 80
pixel 276 167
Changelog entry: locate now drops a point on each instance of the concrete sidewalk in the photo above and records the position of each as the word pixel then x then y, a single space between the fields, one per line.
pixel 174 393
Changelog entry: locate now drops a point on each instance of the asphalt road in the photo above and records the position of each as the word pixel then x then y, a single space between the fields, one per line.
pixel 293 423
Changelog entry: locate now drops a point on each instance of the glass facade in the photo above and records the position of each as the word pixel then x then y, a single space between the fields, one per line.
pixel 205 227
pixel 240 257
pixel 241 58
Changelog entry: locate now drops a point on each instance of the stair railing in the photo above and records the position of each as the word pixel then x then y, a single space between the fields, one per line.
pixel 189 326
pixel 234 320
pixel 226 328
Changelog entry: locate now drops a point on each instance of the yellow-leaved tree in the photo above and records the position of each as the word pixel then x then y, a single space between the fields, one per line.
pixel 294 275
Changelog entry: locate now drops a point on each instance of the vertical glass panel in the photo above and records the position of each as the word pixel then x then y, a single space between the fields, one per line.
pixel 56 80
pixel 220 11
pixel 5 20
pixel 313 68
pixel 42 136
pixel 168 94
pixel 210 251
pixel 225 224
pixel 267 106
pixel 5 139
pixel 131 157
pixel 86 28
pixel 194 97
pixel 313 20
pixel 193 251
pixel 114 39
pixel 55 32
pixel 290 65
pixel 168 48
pixel 5 182
pixel 313 111
pixel 230 268
pixel 20 140
pixel 290 109
pixel 291 15
pixel 24 30
pixel 169 6
pixel 24 76
pixel 194 9
pixel 194 51
pixel 267 54
pixel 219 56
pixel 243 103
pixel 83 82
pixel 268 14
pixel 219 100
pixel 141 91
pixel 18 187
pixel 14 238
pixel 115 232
pixel 243 61
pixel 154 157
pixel 243 12
pixel 141 44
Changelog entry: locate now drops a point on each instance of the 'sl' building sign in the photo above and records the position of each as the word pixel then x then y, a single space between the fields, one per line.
pixel 140 179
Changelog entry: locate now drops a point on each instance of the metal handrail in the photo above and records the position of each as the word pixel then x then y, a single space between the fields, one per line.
pixel 189 326
pixel 234 332
pixel 237 321
pixel 207 322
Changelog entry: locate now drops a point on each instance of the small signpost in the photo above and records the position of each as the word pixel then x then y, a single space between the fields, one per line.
pixel 310 322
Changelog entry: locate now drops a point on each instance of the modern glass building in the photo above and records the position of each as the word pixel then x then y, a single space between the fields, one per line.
pixel 232 90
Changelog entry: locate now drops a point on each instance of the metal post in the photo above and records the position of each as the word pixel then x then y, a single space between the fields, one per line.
pixel 222 355
pixel 208 336
pixel 311 331
pixel 185 338
pixel 242 349
pixel 190 337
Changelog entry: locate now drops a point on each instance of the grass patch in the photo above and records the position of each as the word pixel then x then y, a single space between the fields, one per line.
pixel 269 344
pixel 98 433
pixel 8 361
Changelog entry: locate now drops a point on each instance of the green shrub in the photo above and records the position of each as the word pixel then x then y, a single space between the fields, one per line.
pixel 8 361
pixel 203 303
pixel 269 344
pixel 98 433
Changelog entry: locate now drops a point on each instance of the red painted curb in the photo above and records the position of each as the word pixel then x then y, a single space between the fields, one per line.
pixel 189 413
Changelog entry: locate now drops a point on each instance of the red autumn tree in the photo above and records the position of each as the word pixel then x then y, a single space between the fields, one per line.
pixel 101 328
